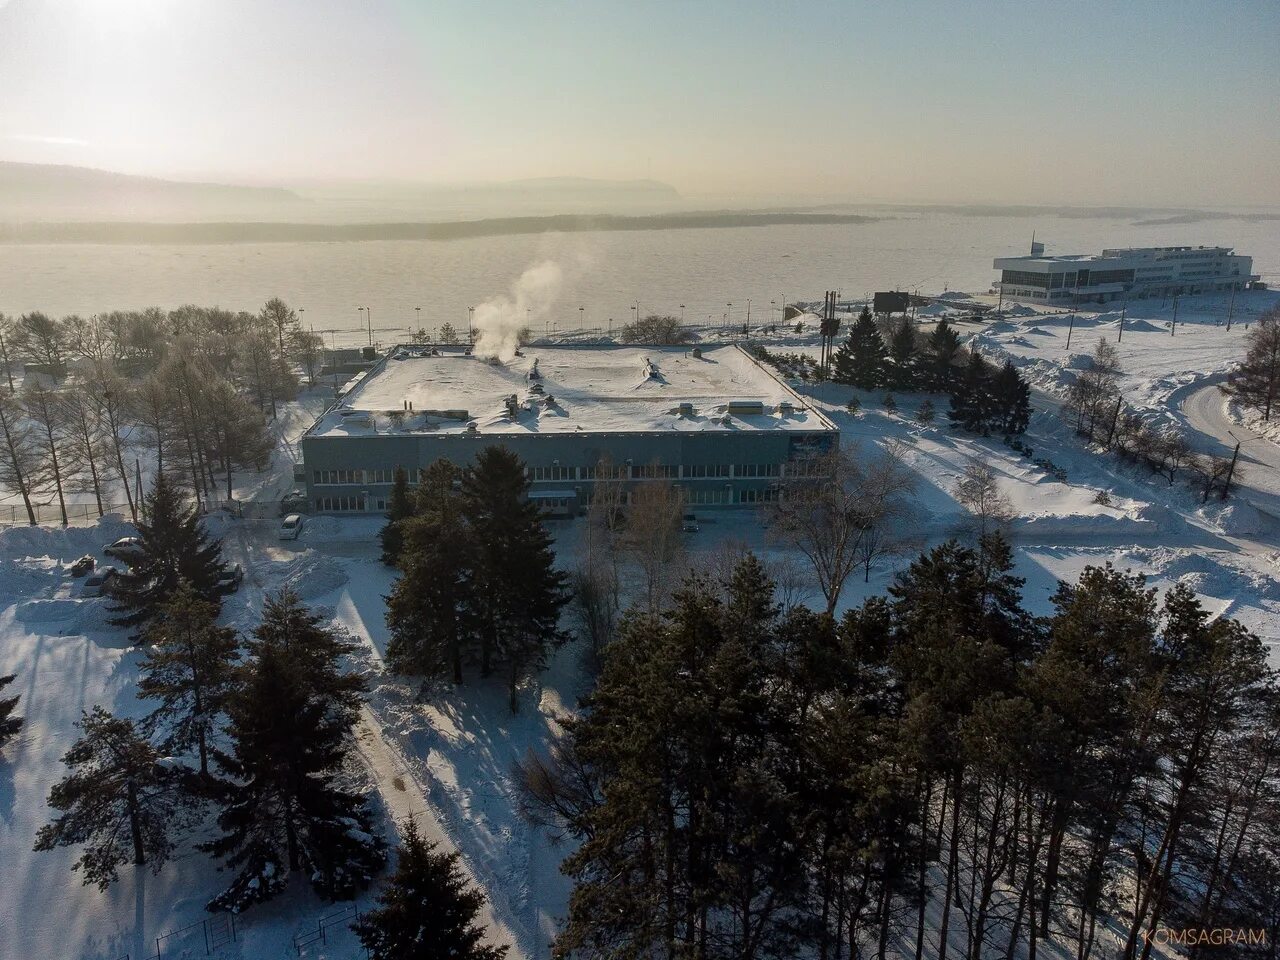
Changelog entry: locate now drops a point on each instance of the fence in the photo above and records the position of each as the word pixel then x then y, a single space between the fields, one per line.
pixel 50 514
pixel 332 928
pixel 207 935
pixel 86 514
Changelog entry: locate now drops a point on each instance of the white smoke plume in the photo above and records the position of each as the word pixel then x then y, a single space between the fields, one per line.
pixel 499 320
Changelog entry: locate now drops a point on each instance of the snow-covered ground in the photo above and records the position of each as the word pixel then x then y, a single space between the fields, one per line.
pixel 446 754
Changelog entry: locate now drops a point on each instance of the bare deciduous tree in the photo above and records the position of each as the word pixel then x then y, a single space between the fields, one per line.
pixel 978 491
pixel 827 516
pixel 653 539
pixel 20 460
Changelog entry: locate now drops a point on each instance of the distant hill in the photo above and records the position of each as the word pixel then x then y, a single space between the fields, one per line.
pixel 262 232
pixel 37 193
pixel 30 191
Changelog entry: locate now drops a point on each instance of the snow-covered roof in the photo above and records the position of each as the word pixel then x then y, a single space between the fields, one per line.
pixel 576 388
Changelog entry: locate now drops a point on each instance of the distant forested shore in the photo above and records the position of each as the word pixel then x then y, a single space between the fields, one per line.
pixel 255 232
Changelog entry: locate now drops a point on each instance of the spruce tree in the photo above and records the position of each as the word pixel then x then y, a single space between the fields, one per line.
pixel 315 651
pixel 1256 380
pixel 971 402
pixel 902 348
pixel 890 404
pixel 943 346
pixel 189 669
pixel 286 808
pixel 925 414
pixel 400 508
pixel 1010 401
pixel 432 606
pixel 519 593
pixel 860 361
pixel 174 547
pixel 427 910
pixel 120 801
pixel 9 724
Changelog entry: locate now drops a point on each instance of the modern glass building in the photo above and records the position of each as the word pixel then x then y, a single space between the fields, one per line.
pixel 1122 274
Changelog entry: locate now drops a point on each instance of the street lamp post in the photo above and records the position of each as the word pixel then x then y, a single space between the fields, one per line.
pixel 582 318
pixel 417 311
pixel 1173 327
pixel 1235 455
pixel 470 336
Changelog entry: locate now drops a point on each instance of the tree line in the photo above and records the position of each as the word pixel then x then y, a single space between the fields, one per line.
pixel 894 355
pixel 1097 411
pixel 83 398
pixel 937 773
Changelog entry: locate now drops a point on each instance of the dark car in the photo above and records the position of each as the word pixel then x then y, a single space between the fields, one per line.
pixel 230 580
pixel 84 565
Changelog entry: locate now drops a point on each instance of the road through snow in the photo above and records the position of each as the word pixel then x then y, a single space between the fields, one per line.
pixel 1205 410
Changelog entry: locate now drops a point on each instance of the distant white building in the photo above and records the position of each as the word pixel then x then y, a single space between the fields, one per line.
pixel 1122 274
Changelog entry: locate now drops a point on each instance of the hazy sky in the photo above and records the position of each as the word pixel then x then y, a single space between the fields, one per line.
pixel 1096 101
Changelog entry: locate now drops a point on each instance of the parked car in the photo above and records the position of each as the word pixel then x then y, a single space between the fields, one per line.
pixel 126 548
pixel 294 502
pixel 98 582
pixel 291 527
pixel 690 523
pixel 230 580
pixel 84 565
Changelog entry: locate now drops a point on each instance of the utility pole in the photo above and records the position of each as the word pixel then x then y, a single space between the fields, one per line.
pixel 1231 307
pixel 1173 328
pixel 1071 325
pixel 748 311
pixel 417 311
pixel 1115 418
pixel 1235 454
pixel 1123 310
pixel 470 336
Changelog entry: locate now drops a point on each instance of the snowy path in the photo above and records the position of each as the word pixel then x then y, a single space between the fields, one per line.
pixel 1205 409
pixel 405 798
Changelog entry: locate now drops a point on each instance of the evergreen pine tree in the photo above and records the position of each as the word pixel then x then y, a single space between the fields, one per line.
pixel 174 547
pixel 9 724
pixel 190 669
pixel 943 345
pixel 430 611
pixel 286 808
pixel 427 910
pixel 890 404
pixel 119 800
pixel 853 406
pixel 971 397
pixel 1010 400
pixel 860 361
pixel 925 414
pixel 400 508
pixel 902 348
pixel 314 651
pixel 519 592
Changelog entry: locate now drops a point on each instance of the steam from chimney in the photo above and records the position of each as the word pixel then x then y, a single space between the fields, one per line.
pixel 500 320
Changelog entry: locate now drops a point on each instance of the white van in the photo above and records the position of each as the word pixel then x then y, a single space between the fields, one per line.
pixel 291 527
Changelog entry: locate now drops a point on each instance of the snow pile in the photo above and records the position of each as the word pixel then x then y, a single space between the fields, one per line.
pixel 311 575
pixel 1237 519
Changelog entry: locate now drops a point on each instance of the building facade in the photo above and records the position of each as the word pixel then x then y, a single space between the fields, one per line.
pixel 1123 274
pixel 712 422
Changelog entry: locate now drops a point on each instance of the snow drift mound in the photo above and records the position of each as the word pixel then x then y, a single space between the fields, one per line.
pixel 310 575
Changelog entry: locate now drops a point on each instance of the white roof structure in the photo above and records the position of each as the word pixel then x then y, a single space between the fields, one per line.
pixel 574 388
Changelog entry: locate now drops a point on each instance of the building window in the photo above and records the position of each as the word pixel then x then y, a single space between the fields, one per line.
pixel 699 471
pixel 553 473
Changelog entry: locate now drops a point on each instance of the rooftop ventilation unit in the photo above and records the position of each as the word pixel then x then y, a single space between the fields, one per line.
pixel 473 427
pixel 513 406
pixel 649 371
pixel 447 414
pixel 534 373
pixel 538 389
pixel 683 410
pixel 786 408
pixel 697 353
pixel 745 407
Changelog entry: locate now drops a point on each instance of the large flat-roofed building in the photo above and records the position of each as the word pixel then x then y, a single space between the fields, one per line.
pixel 710 420
pixel 1122 274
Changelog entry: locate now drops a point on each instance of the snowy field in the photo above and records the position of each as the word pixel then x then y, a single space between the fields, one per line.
pixel 446 755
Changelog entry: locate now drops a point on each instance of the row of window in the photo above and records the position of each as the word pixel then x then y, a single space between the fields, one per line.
pixel 341 504
pixel 648 471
